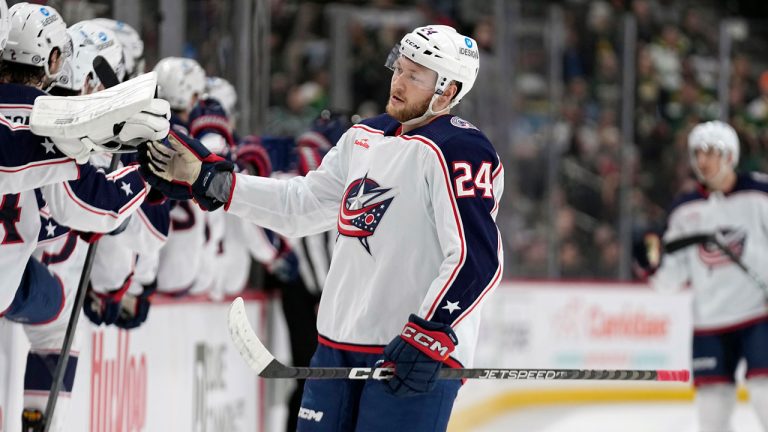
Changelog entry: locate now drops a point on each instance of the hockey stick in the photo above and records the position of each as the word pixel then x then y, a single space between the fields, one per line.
pixel 681 243
pixel 109 79
pixel 266 366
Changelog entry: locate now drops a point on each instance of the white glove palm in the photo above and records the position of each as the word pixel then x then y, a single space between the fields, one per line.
pixel 150 124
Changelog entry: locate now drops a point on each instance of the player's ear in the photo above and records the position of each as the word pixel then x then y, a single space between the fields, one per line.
pixel 445 99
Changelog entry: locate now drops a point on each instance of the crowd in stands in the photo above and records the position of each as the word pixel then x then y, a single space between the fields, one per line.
pixel 677 71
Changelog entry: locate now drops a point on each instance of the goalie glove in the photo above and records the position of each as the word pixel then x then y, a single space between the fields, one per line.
pixel 417 355
pixel 184 161
pixel 152 123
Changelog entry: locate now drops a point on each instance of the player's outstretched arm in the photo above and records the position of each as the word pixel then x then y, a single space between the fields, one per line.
pixel 294 208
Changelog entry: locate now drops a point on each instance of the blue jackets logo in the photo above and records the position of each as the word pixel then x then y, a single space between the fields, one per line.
pixel 362 208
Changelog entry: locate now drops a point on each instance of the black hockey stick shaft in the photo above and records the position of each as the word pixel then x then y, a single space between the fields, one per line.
pixel 109 79
pixel 261 361
pixel 277 370
pixel 736 260
pixel 682 243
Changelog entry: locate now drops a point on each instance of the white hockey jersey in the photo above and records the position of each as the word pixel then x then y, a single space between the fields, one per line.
pixel 415 214
pixel 724 296
pixel 91 201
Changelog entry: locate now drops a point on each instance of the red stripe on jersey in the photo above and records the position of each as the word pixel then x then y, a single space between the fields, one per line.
pixel 456 217
pixel 122 172
pixel 368 129
pixel 112 214
pixel 366 349
pixel 231 192
pixel 36 165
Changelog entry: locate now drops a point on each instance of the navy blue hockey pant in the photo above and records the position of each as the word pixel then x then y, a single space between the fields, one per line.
pixel 346 405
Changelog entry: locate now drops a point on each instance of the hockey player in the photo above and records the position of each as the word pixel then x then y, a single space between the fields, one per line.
pixel 91 201
pixel 181 81
pixel 133 46
pixel 729 307
pixel 413 194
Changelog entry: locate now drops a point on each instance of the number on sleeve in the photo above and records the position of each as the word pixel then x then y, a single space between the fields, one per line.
pixel 465 186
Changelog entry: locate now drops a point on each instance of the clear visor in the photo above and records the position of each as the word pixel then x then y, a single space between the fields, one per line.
pixel 414 74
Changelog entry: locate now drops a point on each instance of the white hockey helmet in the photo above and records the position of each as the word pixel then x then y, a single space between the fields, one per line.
pixel 179 80
pixel 714 135
pixel 133 46
pixel 5 24
pixel 88 41
pixel 224 92
pixel 36 31
pixel 454 57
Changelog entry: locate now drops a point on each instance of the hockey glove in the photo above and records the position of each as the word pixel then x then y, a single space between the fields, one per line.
pixel 417 355
pixel 647 255
pixel 185 160
pixel 103 308
pixel 134 309
pixel 160 186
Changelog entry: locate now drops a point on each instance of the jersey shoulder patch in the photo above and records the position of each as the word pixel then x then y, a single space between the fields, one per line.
pixel 461 123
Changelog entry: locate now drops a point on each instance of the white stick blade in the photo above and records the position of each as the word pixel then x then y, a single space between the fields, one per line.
pixel 247 343
pixel 78 116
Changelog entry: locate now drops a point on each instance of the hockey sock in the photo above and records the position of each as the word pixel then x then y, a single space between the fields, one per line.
pixel 715 403
pixel 38 380
pixel 758 394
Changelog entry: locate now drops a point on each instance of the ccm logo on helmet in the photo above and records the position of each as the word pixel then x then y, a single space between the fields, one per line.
pixel 412 43
pixel 437 348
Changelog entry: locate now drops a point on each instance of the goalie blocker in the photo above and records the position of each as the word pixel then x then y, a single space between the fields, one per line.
pixel 127 114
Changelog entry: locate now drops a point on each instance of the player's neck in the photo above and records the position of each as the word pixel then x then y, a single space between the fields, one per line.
pixel 405 128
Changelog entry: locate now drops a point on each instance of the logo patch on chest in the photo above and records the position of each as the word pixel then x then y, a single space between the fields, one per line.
pixel 362 208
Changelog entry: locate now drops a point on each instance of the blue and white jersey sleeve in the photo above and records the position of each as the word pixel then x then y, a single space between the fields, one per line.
pixel 28 161
pixel 97 202
pixel 295 207
pixel 465 179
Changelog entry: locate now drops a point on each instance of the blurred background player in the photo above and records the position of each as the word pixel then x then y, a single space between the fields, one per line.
pixel 181 82
pixel 133 46
pixel 730 315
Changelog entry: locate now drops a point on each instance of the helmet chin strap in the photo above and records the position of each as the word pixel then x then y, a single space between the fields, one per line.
pixel 427 114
